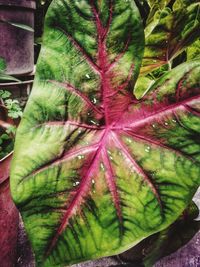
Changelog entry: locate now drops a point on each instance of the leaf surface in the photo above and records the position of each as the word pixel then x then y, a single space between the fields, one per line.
pixel 95 170
pixel 169 240
pixel 174 32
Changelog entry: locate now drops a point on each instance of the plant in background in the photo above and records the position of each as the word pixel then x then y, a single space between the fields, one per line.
pixel 3 75
pixel 10 110
pixel 96 168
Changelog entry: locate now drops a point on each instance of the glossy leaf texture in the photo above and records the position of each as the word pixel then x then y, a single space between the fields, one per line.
pixel 169 34
pixel 95 170
pixel 169 240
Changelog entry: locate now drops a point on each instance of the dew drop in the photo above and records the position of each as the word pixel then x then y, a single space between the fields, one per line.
pixel 76 183
pixel 119 153
pixel 81 156
pixel 174 121
pixel 153 125
pixel 93 182
pixel 87 76
pixel 110 157
pixel 94 100
pixel 94 122
pixel 102 167
pixel 166 123
pixel 147 149
pixel 109 152
pixel 129 140
pixel 79 131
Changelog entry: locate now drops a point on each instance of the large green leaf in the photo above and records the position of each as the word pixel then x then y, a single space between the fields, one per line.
pixel 161 244
pixel 175 31
pixel 95 170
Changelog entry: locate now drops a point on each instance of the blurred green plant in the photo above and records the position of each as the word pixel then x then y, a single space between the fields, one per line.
pixel 7 127
pixel 3 75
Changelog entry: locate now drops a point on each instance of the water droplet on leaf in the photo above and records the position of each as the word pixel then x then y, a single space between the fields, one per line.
pixel 109 152
pixel 81 156
pixel 110 157
pixel 102 167
pixel 94 122
pixel 129 140
pixel 94 101
pixel 76 183
pixel 147 149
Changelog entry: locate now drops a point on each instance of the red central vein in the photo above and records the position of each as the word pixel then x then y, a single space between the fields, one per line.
pixel 103 60
pixel 112 184
pixel 81 192
pixel 138 169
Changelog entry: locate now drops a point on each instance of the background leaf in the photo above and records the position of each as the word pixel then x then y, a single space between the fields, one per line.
pixel 18 25
pixel 2 64
pixel 174 32
pixel 193 51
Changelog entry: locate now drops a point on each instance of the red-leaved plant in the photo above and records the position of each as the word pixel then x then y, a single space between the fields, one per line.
pixel 96 170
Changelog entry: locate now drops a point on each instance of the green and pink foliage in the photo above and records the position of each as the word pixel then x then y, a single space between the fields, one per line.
pixel 95 169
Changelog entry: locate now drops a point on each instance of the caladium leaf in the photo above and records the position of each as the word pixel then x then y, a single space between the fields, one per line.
pixel 95 170
pixel 174 33
pixel 174 237
pixel 167 241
